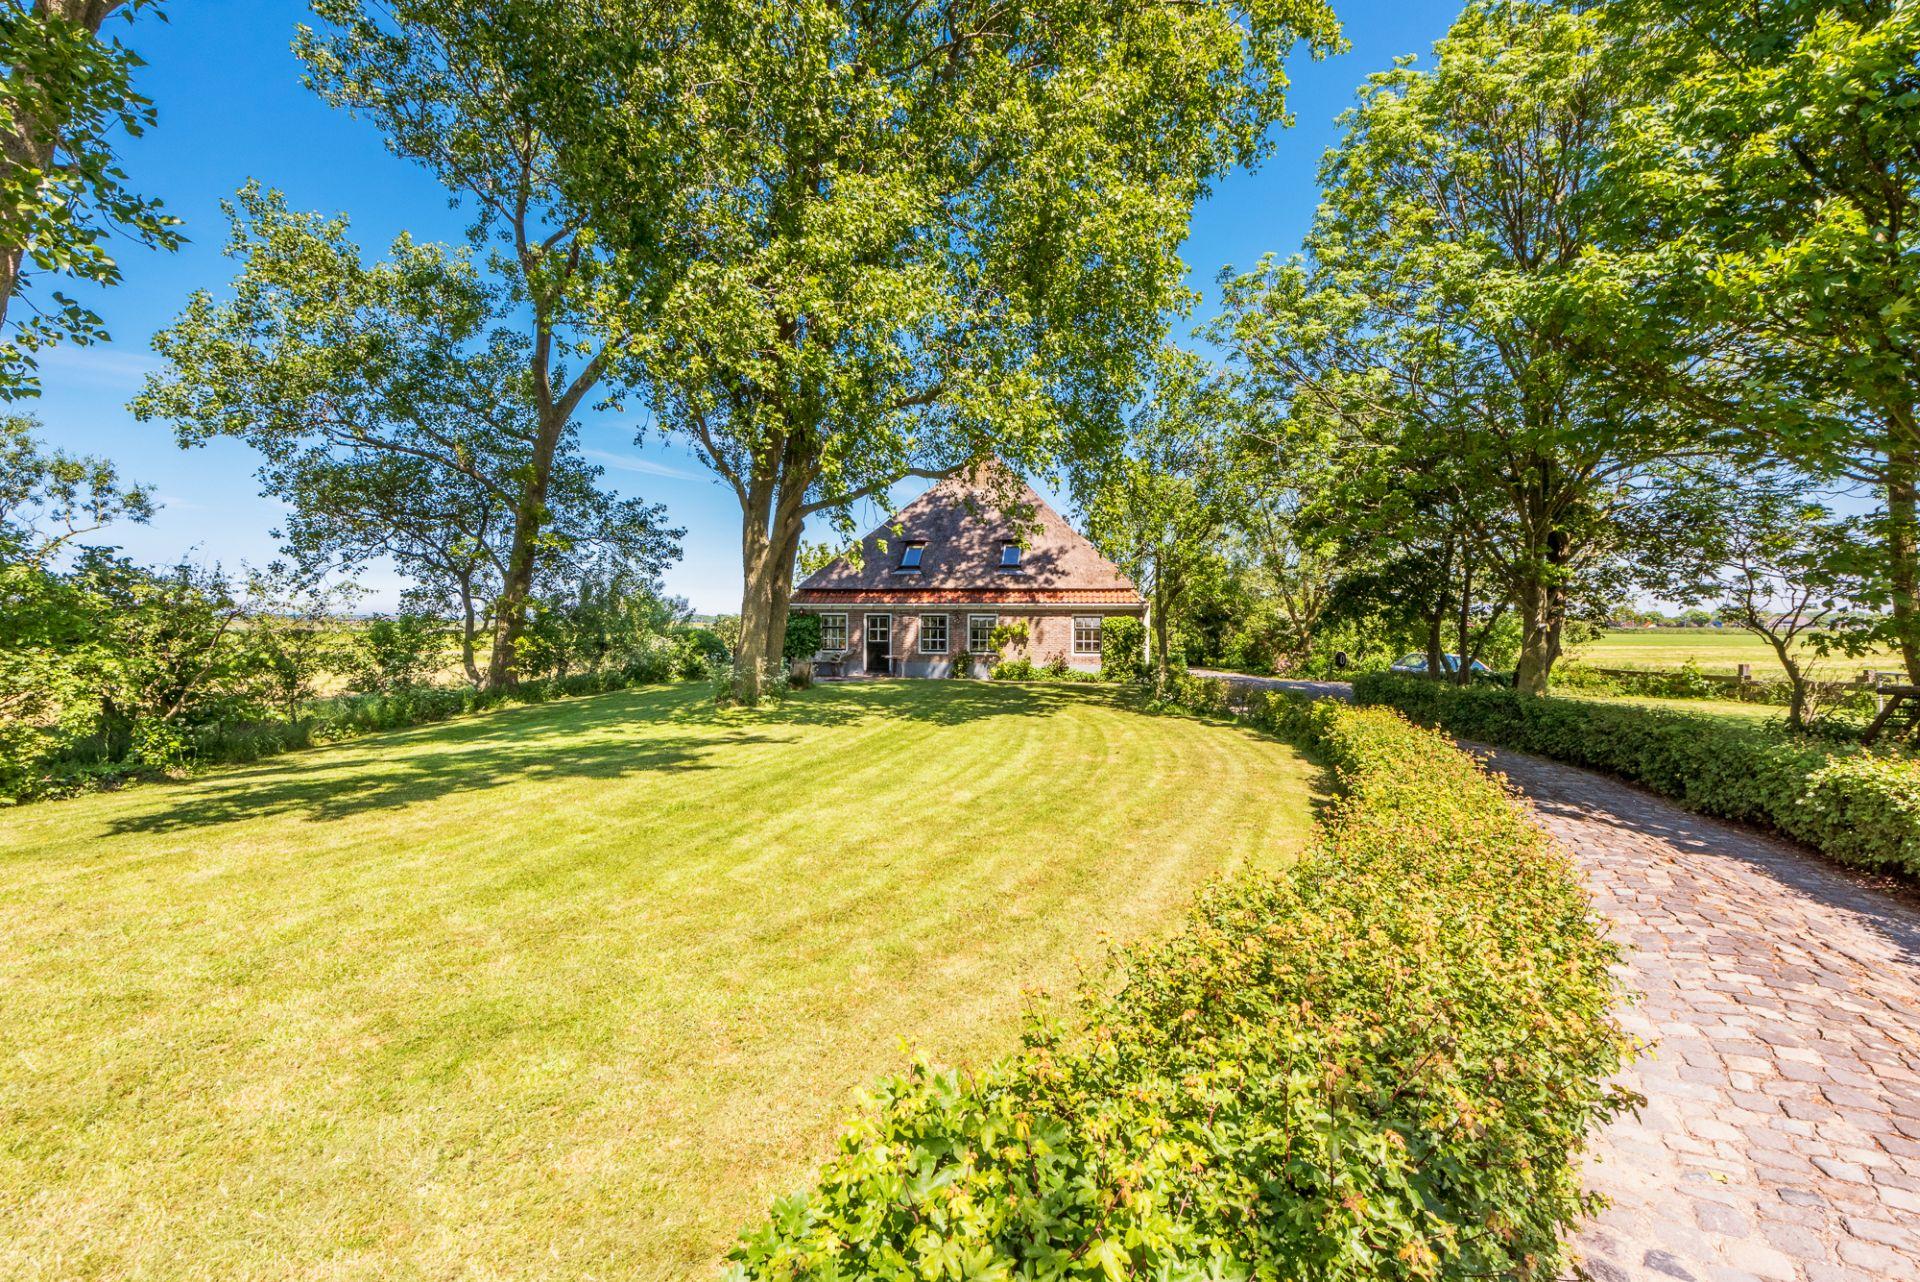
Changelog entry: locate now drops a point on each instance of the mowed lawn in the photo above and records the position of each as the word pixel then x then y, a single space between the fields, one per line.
pixel 1720 650
pixel 563 991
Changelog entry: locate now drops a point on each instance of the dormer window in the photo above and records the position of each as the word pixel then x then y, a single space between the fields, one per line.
pixel 910 558
pixel 1009 556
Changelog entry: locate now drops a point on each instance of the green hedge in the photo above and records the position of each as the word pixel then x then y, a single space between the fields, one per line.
pixel 1855 805
pixel 1381 1063
pixel 323 721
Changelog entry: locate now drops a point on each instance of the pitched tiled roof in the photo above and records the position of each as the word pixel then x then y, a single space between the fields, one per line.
pixel 962 523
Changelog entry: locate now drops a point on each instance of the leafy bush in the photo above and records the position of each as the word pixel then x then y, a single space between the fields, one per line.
pixel 1840 798
pixel 321 721
pixel 1379 1064
pixel 396 652
pixel 1123 641
pixel 1013 670
pixel 803 637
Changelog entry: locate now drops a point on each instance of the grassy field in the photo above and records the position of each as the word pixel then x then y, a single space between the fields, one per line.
pixel 1726 709
pixel 562 991
pixel 1713 649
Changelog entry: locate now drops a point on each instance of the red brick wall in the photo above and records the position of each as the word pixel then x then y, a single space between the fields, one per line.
pixel 1049 637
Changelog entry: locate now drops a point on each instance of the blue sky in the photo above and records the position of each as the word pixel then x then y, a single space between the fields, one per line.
pixel 232 108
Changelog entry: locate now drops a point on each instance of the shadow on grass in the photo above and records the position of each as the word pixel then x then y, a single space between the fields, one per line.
pixel 660 731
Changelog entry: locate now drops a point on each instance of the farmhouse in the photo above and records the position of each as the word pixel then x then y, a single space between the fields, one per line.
pixel 963 570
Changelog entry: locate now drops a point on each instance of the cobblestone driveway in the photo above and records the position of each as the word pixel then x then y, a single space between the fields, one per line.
pixel 1781 1136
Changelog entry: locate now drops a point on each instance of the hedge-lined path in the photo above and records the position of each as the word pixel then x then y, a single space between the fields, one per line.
pixel 1781 1135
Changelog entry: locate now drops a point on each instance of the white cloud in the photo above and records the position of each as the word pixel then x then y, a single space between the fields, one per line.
pixel 114 367
pixel 633 463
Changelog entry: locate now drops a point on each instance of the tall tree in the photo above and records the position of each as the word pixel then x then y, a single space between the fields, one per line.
pixel 398 415
pixel 879 240
pixel 1771 168
pixel 1451 288
pixel 446 84
pixel 1159 506
pixel 64 94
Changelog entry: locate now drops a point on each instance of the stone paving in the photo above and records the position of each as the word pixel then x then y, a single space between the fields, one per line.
pixel 1781 993
pixel 1781 1134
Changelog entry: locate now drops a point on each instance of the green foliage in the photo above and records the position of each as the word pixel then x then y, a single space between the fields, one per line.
pixel 1455 343
pixel 394 410
pixel 803 637
pixel 397 652
pixel 1160 504
pixel 963 238
pixel 1766 186
pixel 1123 641
pixel 1014 670
pixel 1380 1064
pixel 1854 805
pixel 66 96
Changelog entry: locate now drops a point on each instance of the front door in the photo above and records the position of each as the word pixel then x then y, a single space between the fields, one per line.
pixel 880 643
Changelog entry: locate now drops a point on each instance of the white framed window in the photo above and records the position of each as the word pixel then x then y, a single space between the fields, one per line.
pixel 833 632
pixel 1086 634
pixel 1009 556
pixel 910 558
pixel 980 632
pixel 933 634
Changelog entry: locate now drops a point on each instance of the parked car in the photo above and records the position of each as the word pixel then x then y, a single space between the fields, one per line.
pixel 1416 665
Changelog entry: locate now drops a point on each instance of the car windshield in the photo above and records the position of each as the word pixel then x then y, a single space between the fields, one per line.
pixel 1448 663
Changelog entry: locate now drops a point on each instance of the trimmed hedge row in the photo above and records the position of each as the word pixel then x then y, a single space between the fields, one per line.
pixel 1381 1063
pixel 1853 804
pixel 328 720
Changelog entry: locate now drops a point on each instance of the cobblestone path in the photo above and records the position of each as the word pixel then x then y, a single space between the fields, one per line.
pixel 1781 1135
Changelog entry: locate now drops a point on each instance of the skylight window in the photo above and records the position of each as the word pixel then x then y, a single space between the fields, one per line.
pixel 910 558
pixel 1009 556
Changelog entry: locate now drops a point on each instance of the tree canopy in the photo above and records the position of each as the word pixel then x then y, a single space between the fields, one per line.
pixel 867 241
pixel 65 95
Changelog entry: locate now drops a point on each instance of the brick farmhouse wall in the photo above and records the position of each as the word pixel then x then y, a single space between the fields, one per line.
pixel 1049 636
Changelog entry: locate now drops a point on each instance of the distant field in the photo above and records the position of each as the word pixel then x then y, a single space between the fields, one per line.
pixel 1713 649
pixel 1724 709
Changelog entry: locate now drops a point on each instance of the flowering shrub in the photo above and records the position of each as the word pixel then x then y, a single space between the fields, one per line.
pixel 1840 798
pixel 1381 1063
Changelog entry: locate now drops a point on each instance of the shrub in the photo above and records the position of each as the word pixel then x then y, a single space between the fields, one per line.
pixel 85 766
pixel 396 652
pixel 1852 804
pixel 1123 641
pixel 1013 670
pixel 1380 1064
pixel 803 637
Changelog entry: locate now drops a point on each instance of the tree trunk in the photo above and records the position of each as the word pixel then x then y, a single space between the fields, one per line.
pixel 1465 675
pixel 784 549
pixel 469 629
pixel 529 515
pixel 1162 660
pixel 756 591
pixel 1543 615
pixel 1903 545
pixel 1436 664
pixel 1530 674
pixel 1796 685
